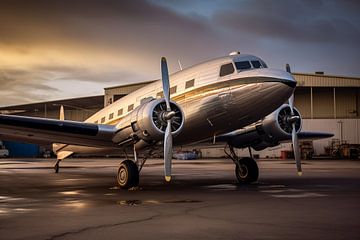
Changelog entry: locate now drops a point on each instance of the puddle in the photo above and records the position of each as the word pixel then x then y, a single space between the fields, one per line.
pixel 223 187
pixel 3 211
pixel 182 201
pixel 300 195
pixel 70 193
pixel 130 189
pixel 154 202
pixel 74 204
pixel 272 186
pixel 281 190
pixel 129 202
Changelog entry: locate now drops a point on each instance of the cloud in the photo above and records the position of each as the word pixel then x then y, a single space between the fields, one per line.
pixel 292 21
pixel 48 46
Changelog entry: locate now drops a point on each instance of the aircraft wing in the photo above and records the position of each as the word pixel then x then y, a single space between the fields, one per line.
pixel 313 135
pixel 35 130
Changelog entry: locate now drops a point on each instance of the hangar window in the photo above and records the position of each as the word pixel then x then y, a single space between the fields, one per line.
pixel 190 83
pixel 102 119
pixel 173 90
pixel 160 95
pixel 111 116
pixel 130 107
pixel 226 69
pixel 244 65
pixel 256 64
pixel 120 112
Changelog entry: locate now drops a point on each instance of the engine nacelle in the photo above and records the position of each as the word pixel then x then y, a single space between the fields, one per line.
pixel 147 123
pixel 269 132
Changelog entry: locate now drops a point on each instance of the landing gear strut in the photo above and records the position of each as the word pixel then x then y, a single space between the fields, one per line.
pixel 57 166
pixel 246 169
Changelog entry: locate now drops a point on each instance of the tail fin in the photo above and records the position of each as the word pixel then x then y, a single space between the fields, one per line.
pixel 62 114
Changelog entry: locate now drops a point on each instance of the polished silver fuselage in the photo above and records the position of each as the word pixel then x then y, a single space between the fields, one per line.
pixel 214 105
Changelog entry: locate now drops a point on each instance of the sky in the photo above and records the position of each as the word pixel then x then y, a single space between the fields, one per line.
pixel 52 49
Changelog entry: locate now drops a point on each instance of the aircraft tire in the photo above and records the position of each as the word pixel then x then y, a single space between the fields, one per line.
pixel 128 175
pixel 249 171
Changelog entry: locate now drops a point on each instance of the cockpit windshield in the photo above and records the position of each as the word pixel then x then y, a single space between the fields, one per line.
pixel 243 65
pixel 246 65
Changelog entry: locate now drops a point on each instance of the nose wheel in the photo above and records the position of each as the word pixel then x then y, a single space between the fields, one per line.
pixel 128 174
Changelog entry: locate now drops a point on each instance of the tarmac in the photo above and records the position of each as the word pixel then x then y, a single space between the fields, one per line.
pixel 203 201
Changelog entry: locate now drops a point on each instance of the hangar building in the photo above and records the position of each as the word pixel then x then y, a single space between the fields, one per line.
pixel 327 103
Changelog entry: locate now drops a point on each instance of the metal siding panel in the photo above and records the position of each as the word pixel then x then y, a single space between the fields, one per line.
pixel 303 101
pixel 323 102
pixel 346 102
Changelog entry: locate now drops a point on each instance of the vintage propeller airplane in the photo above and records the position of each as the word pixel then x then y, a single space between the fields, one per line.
pixel 234 100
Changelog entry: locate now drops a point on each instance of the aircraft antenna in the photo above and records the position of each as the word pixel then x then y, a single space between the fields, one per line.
pixel 180 65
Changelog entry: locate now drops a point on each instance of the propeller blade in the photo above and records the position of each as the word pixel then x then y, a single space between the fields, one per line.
pixel 168 115
pixel 295 141
pixel 291 104
pixel 165 82
pixel 291 99
pixel 296 149
pixel 168 151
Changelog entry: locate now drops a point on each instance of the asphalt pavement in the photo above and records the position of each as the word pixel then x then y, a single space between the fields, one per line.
pixel 203 201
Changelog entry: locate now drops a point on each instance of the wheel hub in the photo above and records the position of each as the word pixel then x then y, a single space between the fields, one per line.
pixel 243 171
pixel 122 175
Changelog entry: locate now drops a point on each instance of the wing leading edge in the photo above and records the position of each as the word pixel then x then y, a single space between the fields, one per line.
pixel 33 130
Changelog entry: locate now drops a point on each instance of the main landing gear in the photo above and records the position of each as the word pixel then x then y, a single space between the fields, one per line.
pixel 128 174
pixel 246 169
pixel 129 171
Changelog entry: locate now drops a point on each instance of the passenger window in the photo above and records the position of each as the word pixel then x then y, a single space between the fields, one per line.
pixel 130 107
pixel 96 122
pixel 120 112
pixel 256 64
pixel 190 83
pixel 244 65
pixel 102 119
pixel 111 116
pixel 173 90
pixel 226 69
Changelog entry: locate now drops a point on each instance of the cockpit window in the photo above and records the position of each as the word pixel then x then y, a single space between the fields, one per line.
pixel 256 64
pixel 226 69
pixel 264 64
pixel 243 65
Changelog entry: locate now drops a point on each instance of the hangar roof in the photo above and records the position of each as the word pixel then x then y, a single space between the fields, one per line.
pixel 75 103
pixel 321 80
pixel 129 85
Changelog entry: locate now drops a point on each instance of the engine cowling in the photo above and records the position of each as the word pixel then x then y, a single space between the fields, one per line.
pixel 269 132
pixel 146 123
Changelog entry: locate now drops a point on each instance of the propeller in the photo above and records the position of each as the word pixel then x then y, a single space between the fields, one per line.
pixel 167 116
pixel 294 137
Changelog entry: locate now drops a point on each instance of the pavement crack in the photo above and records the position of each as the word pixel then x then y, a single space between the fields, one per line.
pixel 61 235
